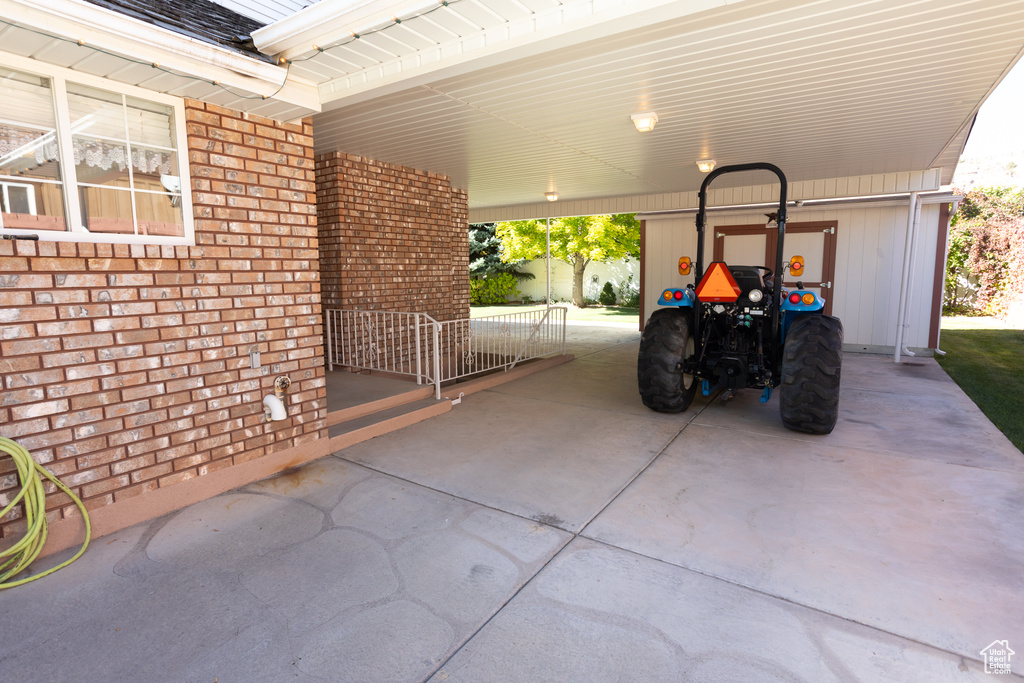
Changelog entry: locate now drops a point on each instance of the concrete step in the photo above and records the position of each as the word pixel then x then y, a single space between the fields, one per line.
pixel 355 424
pixel 375 406
pixel 349 426
pixel 413 408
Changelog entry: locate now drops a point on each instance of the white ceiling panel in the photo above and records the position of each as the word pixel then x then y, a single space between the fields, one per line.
pixel 821 88
pixel 514 98
pixel 266 11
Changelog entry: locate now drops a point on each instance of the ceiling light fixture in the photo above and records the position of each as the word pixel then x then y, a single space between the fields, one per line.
pixel 706 165
pixel 551 196
pixel 644 121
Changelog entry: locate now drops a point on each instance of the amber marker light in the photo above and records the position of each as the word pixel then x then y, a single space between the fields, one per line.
pixel 667 296
pixel 796 265
pixel 808 298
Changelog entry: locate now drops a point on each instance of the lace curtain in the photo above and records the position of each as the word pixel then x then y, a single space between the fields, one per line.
pixel 94 153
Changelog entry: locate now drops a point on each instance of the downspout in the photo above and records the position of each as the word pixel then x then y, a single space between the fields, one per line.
pixel 905 281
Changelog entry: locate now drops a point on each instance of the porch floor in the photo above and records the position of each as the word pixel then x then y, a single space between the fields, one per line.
pixel 552 528
pixel 349 389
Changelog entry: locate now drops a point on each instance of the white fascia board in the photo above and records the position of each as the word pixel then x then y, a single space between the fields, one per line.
pixel 329 21
pixel 570 23
pixel 135 39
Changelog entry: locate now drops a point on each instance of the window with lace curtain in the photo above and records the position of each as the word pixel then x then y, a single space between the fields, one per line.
pixel 85 159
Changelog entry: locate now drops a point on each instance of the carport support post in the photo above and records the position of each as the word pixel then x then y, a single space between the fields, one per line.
pixel 547 258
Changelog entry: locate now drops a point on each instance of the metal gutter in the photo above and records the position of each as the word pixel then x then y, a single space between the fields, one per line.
pixel 897 199
pixel 131 38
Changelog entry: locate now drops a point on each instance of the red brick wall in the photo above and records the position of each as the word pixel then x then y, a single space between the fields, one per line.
pixel 126 368
pixel 391 238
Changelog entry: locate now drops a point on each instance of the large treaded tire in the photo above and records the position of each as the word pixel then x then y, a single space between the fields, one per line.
pixel 666 341
pixel 811 363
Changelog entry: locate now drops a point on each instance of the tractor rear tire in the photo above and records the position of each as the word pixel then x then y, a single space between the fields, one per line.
pixel 811 363
pixel 667 340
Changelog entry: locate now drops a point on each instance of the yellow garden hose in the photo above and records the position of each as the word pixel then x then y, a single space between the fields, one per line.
pixel 20 555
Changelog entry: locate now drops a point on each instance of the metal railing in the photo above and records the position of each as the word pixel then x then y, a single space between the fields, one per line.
pixel 416 345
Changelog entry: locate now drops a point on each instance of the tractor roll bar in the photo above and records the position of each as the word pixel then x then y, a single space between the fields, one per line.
pixel 781 218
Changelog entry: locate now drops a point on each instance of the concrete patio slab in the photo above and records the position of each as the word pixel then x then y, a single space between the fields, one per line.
pixel 714 545
pixel 914 414
pixel 555 463
pixel 278 582
pixel 583 339
pixel 584 383
pixel 920 549
pixel 598 613
pixel 916 376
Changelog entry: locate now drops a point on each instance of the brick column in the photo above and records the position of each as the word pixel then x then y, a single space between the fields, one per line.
pixel 391 238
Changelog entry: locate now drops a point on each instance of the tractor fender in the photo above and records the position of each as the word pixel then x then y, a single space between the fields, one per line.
pixel 669 298
pixel 790 310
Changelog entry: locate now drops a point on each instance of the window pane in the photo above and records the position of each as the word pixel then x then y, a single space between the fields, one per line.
pixel 95 112
pixel 159 214
pixel 32 205
pixel 107 210
pixel 100 162
pixel 150 124
pixel 147 161
pixel 28 154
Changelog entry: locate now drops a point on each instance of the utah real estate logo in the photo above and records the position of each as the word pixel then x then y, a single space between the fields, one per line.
pixel 997 657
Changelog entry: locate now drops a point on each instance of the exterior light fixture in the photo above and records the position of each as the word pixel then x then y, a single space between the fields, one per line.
pixel 706 165
pixel 551 196
pixel 645 121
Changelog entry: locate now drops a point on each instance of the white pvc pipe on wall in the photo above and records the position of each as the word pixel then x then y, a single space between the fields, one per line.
pixel 913 215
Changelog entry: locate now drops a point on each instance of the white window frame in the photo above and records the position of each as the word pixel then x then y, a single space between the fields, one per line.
pixel 31 194
pixel 76 232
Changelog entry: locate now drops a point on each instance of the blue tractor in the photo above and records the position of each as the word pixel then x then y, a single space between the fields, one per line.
pixel 740 328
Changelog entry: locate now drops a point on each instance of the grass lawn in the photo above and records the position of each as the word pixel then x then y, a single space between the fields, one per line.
pixel 987 360
pixel 589 314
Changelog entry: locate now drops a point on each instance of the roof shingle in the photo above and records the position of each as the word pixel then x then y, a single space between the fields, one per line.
pixel 200 19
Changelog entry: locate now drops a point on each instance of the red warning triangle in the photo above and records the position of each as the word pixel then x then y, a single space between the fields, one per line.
pixel 718 284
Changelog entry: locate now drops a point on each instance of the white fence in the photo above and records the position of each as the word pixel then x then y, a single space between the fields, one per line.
pixel 416 345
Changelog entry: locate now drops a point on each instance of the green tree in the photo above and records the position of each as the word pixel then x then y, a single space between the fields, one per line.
pixel 986 247
pixel 576 240
pixel 485 254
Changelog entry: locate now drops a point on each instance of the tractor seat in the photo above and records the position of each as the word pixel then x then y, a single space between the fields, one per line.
pixel 750 277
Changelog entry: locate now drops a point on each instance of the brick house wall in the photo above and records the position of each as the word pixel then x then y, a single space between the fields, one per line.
pixel 392 238
pixel 125 368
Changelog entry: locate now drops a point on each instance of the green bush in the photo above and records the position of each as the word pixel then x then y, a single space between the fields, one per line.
pixel 985 268
pixel 607 295
pixel 493 289
pixel 630 293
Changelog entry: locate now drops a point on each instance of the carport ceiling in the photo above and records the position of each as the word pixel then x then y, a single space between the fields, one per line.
pixel 823 89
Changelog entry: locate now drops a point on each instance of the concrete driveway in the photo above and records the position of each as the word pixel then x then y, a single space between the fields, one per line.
pixel 554 529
